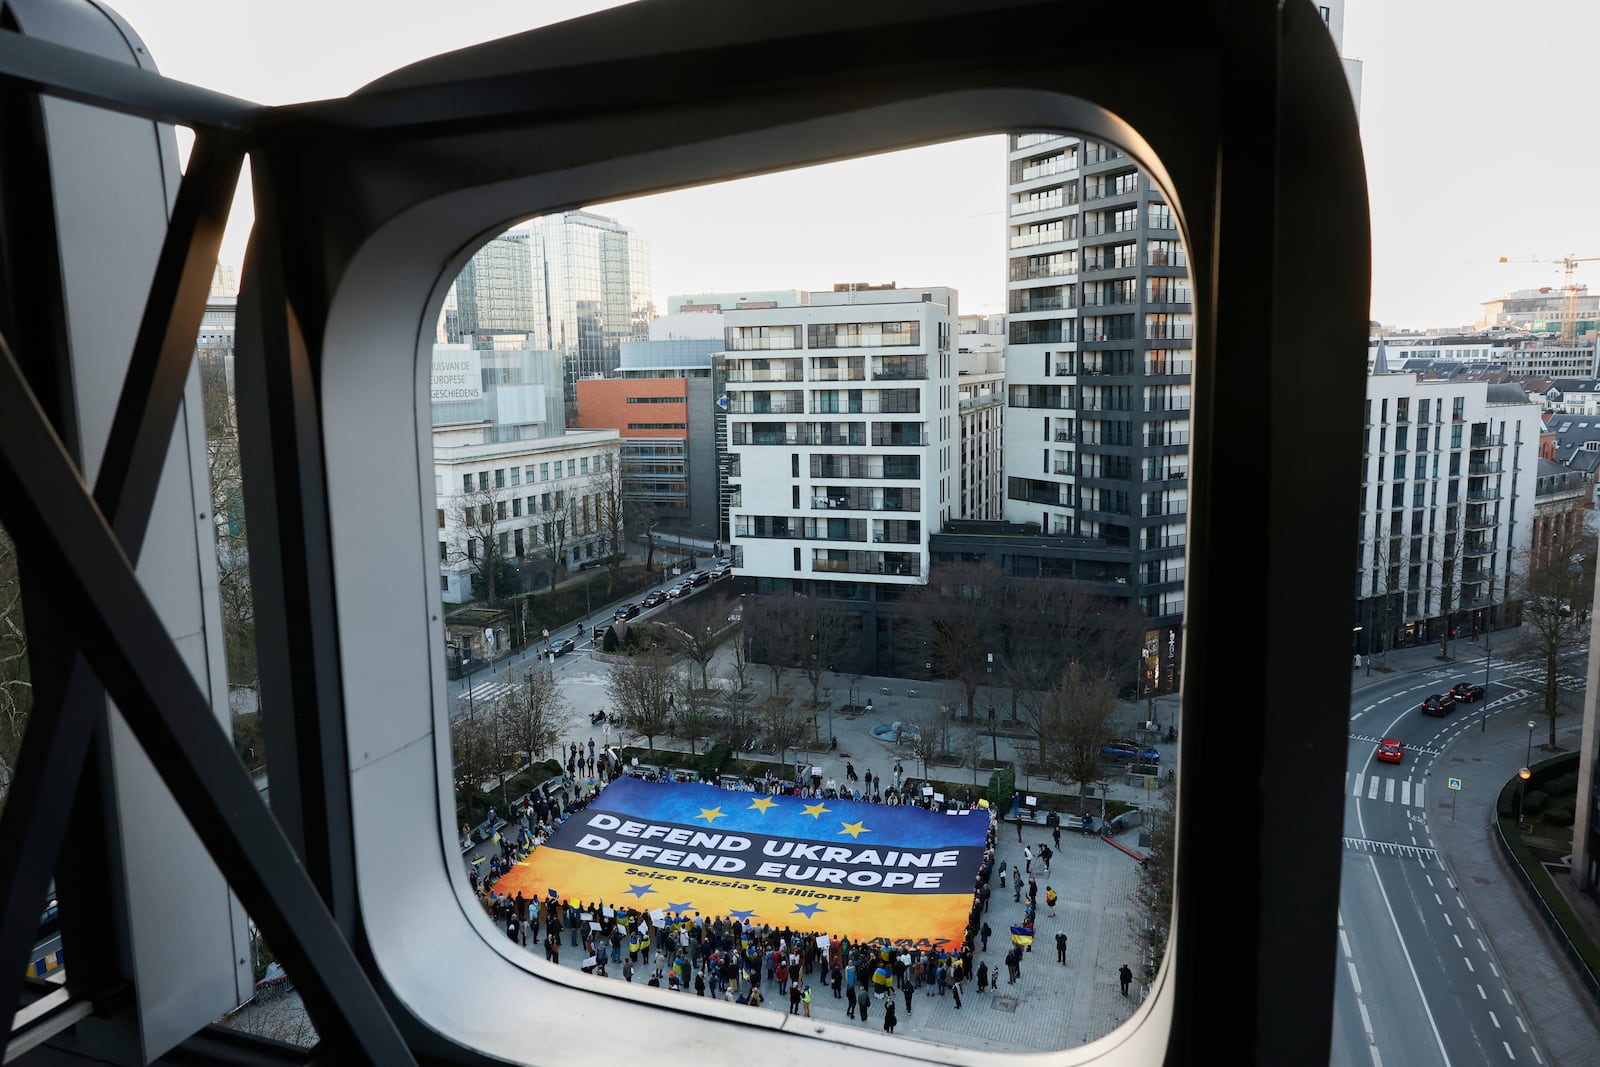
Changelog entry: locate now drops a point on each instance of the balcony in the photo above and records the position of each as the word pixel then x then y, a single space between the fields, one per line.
pixel 1169 331
pixel 1484 468
pixel 897 564
pixel 1167 403
pixel 867 500
pixel 900 368
pixel 1157 367
pixel 762 344
pixel 1480 496
pixel 1486 440
pixel 1065 437
pixel 884 437
pixel 1166 507
pixel 907 468
pixel 838 374
pixel 742 374
pixel 757 404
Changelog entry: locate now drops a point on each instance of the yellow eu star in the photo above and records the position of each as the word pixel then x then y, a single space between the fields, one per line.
pixel 761 804
pixel 711 815
pixel 854 829
pixel 815 810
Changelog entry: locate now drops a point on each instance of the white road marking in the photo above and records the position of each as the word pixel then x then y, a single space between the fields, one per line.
pixel 1416 981
pixel 1470 967
pixel 1419 794
pixel 1494 1019
pixel 1405 792
pixel 1458 940
pixel 1481 994
pixel 1344 940
pixel 1357 983
pixel 1509 1053
pixel 1372 793
pixel 1388 791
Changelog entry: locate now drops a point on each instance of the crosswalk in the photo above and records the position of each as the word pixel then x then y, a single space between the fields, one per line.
pixel 486 692
pixel 1389 848
pixel 1385 788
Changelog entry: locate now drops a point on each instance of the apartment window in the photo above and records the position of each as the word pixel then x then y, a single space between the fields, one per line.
pixel 529 474
pixel 544 472
pixel 500 478
pixel 466 483
pixel 572 468
pixel 583 465
pixel 440 513
pixel 1160 216
pixel 516 507
pixel 516 476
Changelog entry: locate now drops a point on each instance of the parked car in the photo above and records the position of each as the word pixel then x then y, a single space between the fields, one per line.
pixel 1391 750
pixel 1439 704
pixel 1121 750
pixel 1466 692
pixel 563 648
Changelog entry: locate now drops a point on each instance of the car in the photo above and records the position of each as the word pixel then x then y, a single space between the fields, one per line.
pixel 1121 750
pixel 654 597
pixel 675 592
pixel 724 571
pixel 701 577
pixel 1439 704
pixel 627 611
pixel 562 648
pixel 1391 751
pixel 1467 692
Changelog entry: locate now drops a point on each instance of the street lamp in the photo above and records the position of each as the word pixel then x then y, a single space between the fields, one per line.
pixel 1529 758
pixel 993 743
pixel 1522 790
pixel 471 711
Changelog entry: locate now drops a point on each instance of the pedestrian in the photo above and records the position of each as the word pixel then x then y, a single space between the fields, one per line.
pixel 1016 885
pixel 1127 978
pixel 983 977
pixel 863 1001
pixel 1019 827
pixel 907 991
pixel 1061 947
pixel 1055 833
pixel 1050 899
pixel 955 991
pixel 888 1015
pixel 1045 854
pixel 1027 859
pixel 983 895
pixel 984 933
pixel 699 984
pixel 1002 876
pixel 838 979
pixel 805 999
pixel 794 999
pixel 850 1004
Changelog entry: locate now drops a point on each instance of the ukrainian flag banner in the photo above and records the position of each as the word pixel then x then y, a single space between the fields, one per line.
pixel 869 872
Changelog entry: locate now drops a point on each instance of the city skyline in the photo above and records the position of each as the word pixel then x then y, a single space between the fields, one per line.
pixel 1457 99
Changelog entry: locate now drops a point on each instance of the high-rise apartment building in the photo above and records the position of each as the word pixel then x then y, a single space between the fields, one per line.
pixel 1099 328
pixel 1449 476
pixel 842 444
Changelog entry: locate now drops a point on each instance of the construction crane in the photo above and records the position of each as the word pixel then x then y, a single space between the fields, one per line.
pixel 1569 292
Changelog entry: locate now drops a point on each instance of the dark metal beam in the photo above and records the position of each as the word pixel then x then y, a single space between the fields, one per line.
pixel 291 557
pixel 70 704
pixel 131 653
pixel 68 74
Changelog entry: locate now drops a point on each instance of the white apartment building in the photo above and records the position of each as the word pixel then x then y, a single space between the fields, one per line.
pixel 842 434
pixel 539 499
pixel 1449 477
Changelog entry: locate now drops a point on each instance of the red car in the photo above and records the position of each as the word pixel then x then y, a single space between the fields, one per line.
pixel 1391 751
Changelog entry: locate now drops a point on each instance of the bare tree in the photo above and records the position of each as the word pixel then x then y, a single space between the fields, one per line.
pixel 741 654
pixel 475 753
pixel 921 737
pixel 556 532
pixel 692 717
pixel 16 685
pixel 639 692
pixel 1556 587
pixel 821 636
pixel 612 509
pixel 1078 722
pixel 771 623
pixel 533 713
pixel 952 620
pixel 483 516
pixel 781 723
pixel 697 631
pixel 1153 898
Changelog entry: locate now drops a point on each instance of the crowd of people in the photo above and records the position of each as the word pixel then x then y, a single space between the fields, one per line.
pixel 736 961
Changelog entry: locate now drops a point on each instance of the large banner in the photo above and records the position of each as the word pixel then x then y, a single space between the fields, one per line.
pixel 839 867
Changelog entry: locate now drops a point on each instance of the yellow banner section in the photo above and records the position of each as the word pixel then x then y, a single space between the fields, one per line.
pixel 935 920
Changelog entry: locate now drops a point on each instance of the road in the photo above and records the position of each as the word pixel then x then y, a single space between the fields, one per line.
pixel 1418 982
pixel 583 680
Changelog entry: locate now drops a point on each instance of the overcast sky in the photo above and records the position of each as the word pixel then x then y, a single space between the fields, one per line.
pixel 1471 113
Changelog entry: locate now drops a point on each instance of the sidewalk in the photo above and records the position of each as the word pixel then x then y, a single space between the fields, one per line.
pixel 1559 1008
